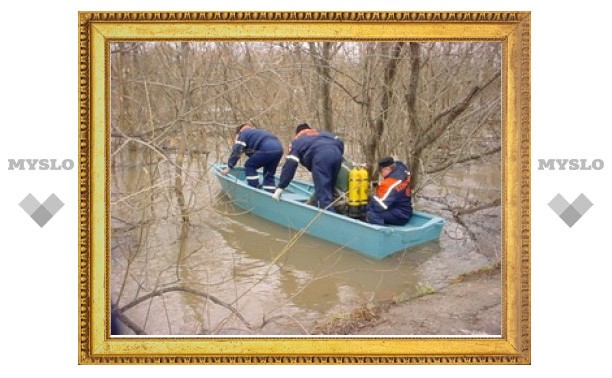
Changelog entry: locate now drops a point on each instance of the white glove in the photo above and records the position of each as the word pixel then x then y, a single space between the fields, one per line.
pixel 277 194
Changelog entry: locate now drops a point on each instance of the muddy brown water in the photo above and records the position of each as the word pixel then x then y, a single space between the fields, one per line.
pixel 231 273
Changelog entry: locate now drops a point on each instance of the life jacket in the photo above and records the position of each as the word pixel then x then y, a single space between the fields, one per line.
pixel 306 132
pixel 395 190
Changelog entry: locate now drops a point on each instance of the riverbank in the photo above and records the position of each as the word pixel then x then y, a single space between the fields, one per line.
pixel 470 305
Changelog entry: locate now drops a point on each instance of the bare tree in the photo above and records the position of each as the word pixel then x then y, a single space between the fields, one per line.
pixel 436 105
pixel 391 52
pixel 322 54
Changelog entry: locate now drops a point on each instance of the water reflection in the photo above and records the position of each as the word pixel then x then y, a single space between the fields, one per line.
pixel 314 274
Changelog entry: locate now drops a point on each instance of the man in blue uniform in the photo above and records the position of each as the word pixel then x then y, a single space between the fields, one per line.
pixel 263 149
pixel 392 203
pixel 321 153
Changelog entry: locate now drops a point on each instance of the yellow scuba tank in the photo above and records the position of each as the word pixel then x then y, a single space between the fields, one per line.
pixel 363 191
pixel 364 187
pixel 354 186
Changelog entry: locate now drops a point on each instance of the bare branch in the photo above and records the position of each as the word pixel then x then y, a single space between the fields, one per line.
pixel 187 290
pixel 435 130
pixel 464 159
pixel 496 202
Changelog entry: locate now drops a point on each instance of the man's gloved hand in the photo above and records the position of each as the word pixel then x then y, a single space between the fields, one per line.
pixel 277 194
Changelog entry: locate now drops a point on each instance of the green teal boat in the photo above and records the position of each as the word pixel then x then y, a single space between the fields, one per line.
pixel 292 211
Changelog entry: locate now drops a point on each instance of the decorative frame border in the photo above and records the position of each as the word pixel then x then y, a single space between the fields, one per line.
pixel 98 29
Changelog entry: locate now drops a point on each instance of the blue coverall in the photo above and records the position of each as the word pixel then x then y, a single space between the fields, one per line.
pixel 321 153
pixel 264 150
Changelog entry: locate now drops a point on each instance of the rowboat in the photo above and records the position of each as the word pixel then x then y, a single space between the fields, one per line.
pixel 292 211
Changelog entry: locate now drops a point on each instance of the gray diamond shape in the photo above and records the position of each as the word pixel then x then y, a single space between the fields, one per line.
pixel 41 216
pixel 29 204
pixel 570 216
pixel 558 204
pixel 582 204
pixel 53 204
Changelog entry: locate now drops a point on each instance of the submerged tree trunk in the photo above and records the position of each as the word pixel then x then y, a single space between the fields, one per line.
pixel 380 122
pixel 179 180
pixel 322 60
pixel 414 130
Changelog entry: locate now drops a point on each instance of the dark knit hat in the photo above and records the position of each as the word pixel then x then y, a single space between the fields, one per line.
pixel 385 162
pixel 301 126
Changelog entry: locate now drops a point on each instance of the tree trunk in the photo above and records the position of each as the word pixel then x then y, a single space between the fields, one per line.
pixel 322 60
pixel 414 131
pixel 378 127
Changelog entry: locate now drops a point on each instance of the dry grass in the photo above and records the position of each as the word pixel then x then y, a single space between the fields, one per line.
pixel 346 323
pixel 485 271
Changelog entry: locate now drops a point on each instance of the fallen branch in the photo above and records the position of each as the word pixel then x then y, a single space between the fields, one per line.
pixel 130 324
pixel 210 297
pixel 473 209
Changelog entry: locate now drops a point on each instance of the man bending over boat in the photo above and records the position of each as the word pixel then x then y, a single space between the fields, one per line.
pixel 321 153
pixel 264 151
pixel 392 203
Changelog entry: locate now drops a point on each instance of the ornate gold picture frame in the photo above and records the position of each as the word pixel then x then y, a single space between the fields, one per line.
pixel 98 30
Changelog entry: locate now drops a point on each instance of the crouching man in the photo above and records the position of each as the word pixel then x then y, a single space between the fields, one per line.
pixel 392 204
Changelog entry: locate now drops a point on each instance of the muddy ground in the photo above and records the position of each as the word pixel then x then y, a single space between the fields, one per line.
pixel 471 305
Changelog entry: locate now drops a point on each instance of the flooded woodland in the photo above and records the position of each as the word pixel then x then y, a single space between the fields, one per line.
pixel 185 261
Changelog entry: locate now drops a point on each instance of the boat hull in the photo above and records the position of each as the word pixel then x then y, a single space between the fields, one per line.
pixel 373 241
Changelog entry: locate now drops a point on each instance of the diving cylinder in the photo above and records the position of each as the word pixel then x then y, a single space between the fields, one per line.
pixel 354 192
pixel 364 190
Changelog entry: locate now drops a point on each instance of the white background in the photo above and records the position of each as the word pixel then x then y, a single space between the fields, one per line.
pixel 570 117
